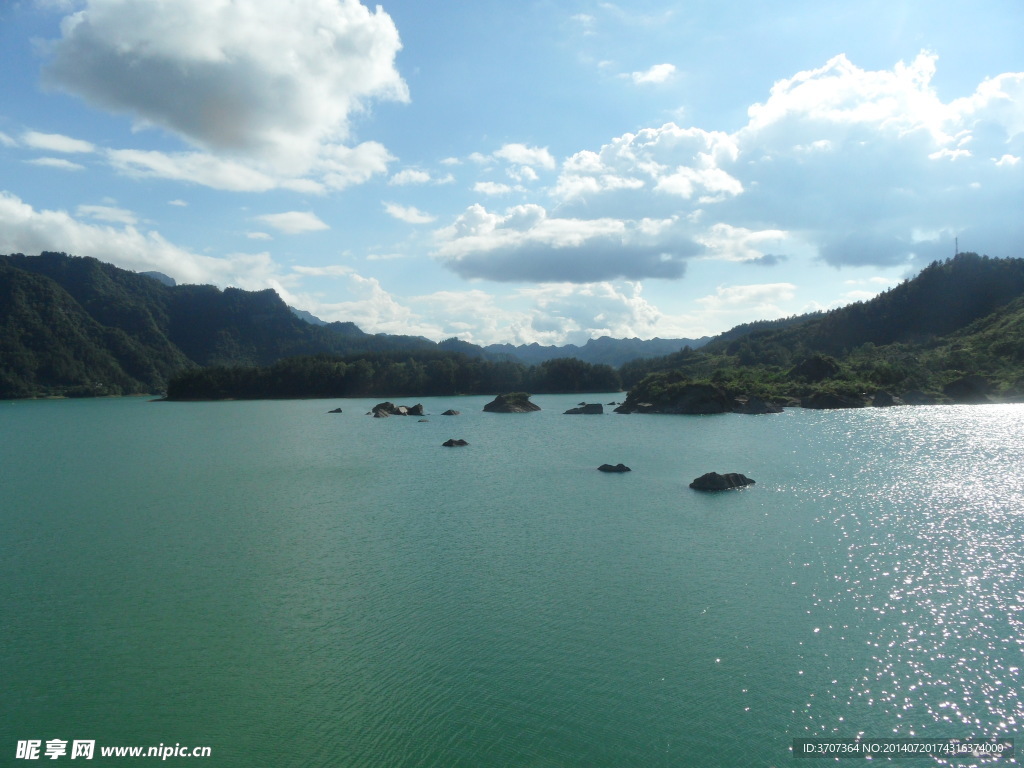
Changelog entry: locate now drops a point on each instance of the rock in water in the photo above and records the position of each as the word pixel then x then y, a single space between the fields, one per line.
pixel 450 412
pixel 453 442
pixel 830 400
pixel 756 405
pixel 513 402
pixel 616 468
pixel 969 389
pixel 336 410
pixel 712 481
pixel 588 408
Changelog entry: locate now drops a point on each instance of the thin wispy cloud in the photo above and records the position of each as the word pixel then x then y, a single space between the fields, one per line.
pixel 293 222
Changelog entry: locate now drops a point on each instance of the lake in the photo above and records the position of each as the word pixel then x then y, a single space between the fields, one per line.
pixel 295 588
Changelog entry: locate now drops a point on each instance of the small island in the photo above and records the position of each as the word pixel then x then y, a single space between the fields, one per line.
pixel 712 481
pixel 511 402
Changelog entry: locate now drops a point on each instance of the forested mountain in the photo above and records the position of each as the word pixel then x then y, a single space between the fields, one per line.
pixel 71 325
pixel 395 374
pixel 959 317
pixel 77 326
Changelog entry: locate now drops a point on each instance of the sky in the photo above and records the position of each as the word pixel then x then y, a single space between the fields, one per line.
pixel 535 171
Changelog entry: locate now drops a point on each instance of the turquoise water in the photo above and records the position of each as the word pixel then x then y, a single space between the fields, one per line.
pixel 296 588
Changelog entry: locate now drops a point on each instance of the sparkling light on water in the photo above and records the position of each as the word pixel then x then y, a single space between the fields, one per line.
pixel 932 520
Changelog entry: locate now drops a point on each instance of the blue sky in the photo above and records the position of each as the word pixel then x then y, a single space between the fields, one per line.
pixel 516 172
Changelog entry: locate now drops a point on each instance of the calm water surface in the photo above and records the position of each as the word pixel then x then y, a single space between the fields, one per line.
pixel 297 588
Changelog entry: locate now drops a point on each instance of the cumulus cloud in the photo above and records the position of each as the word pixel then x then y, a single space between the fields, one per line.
pixel 375 310
pixel 23 229
pixel 659 73
pixel 294 222
pixel 521 154
pixel 491 188
pixel 409 214
pixel 687 163
pixel 273 83
pixel 526 244
pixel 838 162
pixel 410 176
pixel 734 304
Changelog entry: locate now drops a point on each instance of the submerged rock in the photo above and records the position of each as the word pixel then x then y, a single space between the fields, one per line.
pixel 712 481
pixel 513 402
pixel 755 405
pixel 826 400
pixel 453 443
pixel 450 412
pixel 883 399
pixel 382 410
pixel 616 468
pixel 969 389
pixel 587 408
pixel 917 397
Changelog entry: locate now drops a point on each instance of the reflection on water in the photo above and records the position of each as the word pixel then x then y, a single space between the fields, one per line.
pixel 297 589
pixel 933 583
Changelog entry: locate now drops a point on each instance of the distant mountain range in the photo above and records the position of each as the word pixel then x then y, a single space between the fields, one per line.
pixel 77 326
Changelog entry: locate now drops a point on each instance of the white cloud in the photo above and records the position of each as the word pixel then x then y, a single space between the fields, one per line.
pixel 27 230
pixel 410 176
pixel 586 22
pixel 56 162
pixel 178 203
pixel 107 213
pixel 659 73
pixel 271 84
pixel 731 305
pixel 193 167
pixel 55 142
pixel 333 270
pixel 6 140
pixel 838 162
pixel 682 162
pixel 375 310
pixel 526 244
pixel 342 167
pixel 729 243
pixel 521 154
pixel 408 214
pixel 258 236
pixel 294 222
pixel 491 188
